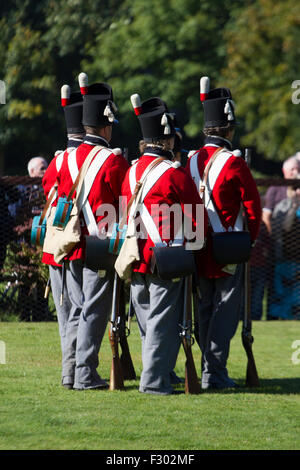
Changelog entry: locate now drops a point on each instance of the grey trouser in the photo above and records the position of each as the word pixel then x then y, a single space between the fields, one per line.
pixel 219 314
pixel 63 312
pixel 90 298
pixel 158 307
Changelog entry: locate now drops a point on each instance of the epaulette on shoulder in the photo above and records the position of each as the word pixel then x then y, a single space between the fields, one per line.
pixel 191 153
pixel 117 151
pixel 176 164
pixel 237 153
pixel 134 161
pixel 58 152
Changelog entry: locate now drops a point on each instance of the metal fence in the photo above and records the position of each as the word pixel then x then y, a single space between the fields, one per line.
pixel 275 260
pixel 22 276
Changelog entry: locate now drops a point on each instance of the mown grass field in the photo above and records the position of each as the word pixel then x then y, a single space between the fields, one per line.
pixel 37 413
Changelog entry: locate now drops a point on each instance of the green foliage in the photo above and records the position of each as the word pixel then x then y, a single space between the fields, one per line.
pixel 22 265
pixel 23 261
pixel 160 49
pixel 26 262
pixel 152 48
pixel 262 62
pixel 73 23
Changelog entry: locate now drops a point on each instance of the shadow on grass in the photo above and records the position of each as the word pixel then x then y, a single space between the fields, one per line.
pixel 129 385
pixel 274 386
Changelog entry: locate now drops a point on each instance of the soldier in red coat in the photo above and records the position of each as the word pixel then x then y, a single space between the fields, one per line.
pixel 158 303
pixel 72 107
pixel 90 294
pixel 229 188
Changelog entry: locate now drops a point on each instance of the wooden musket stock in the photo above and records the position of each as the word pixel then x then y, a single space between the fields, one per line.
pixel 252 379
pixel 125 359
pixel 192 385
pixel 116 374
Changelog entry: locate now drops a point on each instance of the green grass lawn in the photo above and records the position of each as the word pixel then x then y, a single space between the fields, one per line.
pixel 36 412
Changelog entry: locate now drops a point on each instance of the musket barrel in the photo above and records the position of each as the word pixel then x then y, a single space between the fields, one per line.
pixel 114 307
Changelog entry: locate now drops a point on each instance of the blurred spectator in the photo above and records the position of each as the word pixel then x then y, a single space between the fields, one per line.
pixel 275 194
pixel 31 303
pixel 284 298
pixel 6 222
pixel 260 271
pixel 22 197
pixel 37 167
pixel 16 196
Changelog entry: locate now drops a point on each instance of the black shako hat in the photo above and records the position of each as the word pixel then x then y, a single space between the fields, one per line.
pixel 98 106
pixel 155 120
pixel 72 106
pixel 218 105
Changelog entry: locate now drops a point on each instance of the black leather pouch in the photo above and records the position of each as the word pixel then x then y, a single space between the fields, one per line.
pixel 231 247
pixel 97 256
pixel 173 261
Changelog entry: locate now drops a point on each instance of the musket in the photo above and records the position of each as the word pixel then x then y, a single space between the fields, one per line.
pixel 192 385
pixel 130 311
pixel 116 374
pixel 252 379
pixel 124 332
pixel 196 296
pixel 63 280
pixel 47 288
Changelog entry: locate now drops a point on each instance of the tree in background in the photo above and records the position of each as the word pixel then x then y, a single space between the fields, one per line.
pixel 41 48
pixel 153 48
pixel 263 60
pixel 26 120
pixel 160 49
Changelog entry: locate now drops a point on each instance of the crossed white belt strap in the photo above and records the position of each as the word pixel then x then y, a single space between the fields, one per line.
pixel 58 161
pixel 94 168
pixel 53 191
pixel 213 175
pixel 139 205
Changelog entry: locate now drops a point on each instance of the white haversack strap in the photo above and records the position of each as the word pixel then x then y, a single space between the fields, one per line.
pixel 148 221
pixel 94 168
pixel 59 160
pixel 133 182
pixel 58 163
pixel 213 175
pixel 91 174
pixel 52 195
pixel 132 177
pixel 148 181
pixel 154 176
pixel 150 226
pixel 194 169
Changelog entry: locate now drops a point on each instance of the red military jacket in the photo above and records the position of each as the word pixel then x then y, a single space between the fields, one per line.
pixel 50 175
pixel 234 185
pixel 106 188
pixel 50 178
pixel 174 186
